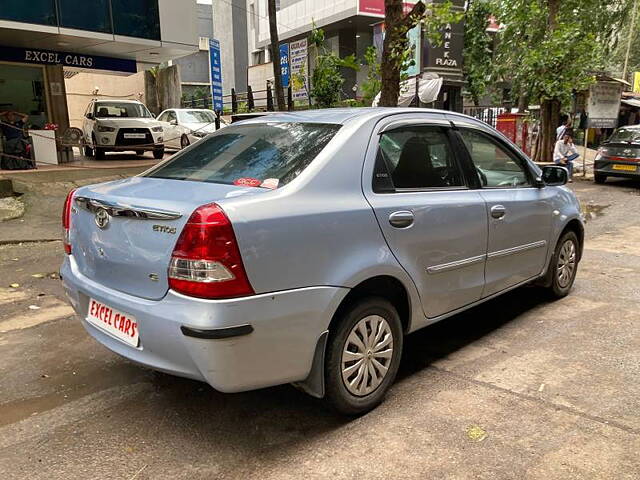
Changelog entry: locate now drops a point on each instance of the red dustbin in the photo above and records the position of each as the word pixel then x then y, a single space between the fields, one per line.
pixel 515 127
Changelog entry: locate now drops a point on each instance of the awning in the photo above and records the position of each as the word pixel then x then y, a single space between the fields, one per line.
pixel 631 102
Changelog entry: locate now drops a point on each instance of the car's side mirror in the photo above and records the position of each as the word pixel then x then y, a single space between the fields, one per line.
pixel 554 176
pixel 90 116
pixel 173 122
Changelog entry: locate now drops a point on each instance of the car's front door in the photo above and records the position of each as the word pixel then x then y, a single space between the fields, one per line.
pixel 519 213
pixel 433 222
pixel 171 134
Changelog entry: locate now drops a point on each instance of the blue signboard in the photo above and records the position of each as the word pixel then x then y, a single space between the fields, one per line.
pixel 215 68
pixel 284 64
pixel 67 59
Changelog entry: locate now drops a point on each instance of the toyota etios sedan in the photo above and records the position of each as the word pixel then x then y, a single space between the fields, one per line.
pixel 302 247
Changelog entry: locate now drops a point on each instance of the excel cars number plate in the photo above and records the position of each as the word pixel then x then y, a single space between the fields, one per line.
pixel 134 135
pixel 120 325
pixel 626 168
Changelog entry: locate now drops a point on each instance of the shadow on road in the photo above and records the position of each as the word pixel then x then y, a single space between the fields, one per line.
pixel 285 408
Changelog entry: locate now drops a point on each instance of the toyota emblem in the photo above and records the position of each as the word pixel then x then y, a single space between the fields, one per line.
pixel 102 218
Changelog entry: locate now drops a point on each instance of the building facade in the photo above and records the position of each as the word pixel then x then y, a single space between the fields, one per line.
pixel 194 68
pixel 230 29
pixel 350 27
pixel 42 42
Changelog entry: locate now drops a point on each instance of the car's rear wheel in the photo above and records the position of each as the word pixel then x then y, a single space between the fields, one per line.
pixel 599 178
pixel 564 265
pixel 158 153
pixel 363 355
pixel 184 141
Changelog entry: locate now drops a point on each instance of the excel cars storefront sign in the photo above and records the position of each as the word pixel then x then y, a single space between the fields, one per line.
pixel 67 59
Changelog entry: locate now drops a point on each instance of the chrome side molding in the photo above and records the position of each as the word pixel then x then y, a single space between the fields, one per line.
pixel 122 210
pixel 445 267
pixel 518 249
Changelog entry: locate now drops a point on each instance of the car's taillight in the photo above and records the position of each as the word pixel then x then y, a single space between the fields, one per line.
pixel 206 261
pixel 66 222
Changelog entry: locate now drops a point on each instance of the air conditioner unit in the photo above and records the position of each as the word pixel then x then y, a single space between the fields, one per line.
pixel 204 43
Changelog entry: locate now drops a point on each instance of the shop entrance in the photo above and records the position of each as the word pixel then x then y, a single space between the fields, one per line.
pixel 22 89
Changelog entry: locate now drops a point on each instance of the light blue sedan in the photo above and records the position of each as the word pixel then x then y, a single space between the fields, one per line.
pixel 302 247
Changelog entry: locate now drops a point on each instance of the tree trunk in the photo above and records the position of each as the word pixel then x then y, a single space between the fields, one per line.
pixel 389 68
pixel 550 108
pixel 523 103
pixel 549 120
pixel 395 40
pixel 275 55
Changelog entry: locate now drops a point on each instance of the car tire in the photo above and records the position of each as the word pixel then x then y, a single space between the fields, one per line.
pixel 352 389
pixel 184 141
pixel 100 153
pixel 599 178
pixel 88 151
pixel 158 153
pixel 564 265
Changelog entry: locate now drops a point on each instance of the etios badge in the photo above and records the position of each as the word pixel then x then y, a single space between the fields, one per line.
pixel 102 218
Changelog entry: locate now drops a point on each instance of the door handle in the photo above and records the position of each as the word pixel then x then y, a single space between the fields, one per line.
pixel 498 211
pixel 401 219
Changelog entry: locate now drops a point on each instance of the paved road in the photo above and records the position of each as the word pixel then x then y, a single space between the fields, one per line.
pixel 517 388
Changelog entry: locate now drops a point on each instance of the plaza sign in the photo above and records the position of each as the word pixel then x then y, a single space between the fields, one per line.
pixel 67 59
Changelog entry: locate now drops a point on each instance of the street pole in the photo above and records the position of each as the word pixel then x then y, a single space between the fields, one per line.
pixel 631 36
pixel 584 153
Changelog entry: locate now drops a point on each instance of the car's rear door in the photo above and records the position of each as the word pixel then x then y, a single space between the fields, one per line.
pixel 518 213
pixel 433 219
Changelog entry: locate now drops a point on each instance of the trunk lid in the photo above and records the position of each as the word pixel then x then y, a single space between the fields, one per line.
pixel 132 251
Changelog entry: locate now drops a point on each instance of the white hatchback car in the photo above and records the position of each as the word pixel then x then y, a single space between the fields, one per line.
pixel 184 126
pixel 118 125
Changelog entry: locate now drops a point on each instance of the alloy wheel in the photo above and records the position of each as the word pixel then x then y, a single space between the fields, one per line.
pixel 566 263
pixel 367 355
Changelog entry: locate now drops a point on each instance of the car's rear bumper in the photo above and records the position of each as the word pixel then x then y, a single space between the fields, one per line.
pixel 285 327
pixel 611 168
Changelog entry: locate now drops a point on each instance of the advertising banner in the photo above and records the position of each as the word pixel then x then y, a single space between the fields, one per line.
pixel 636 82
pixel 284 64
pixel 415 39
pixel 298 66
pixel 215 72
pixel 603 105
pixel 373 8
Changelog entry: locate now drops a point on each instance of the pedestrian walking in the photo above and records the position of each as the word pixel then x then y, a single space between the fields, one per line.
pixel 565 152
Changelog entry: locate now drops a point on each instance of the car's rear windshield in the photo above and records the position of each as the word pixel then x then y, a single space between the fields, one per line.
pixel 121 110
pixel 258 155
pixel 625 135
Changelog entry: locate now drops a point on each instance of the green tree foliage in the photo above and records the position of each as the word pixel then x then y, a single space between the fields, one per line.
pixel 326 79
pixel 550 48
pixel 478 62
pixel 372 85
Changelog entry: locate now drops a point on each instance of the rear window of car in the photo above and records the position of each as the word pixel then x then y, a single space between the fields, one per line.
pixel 625 135
pixel 258 155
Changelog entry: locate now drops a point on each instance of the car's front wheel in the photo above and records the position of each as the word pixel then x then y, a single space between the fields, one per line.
pixel 100 153
pixel 564 265
pixel 599 178
pixel 363 355
pixel 158 153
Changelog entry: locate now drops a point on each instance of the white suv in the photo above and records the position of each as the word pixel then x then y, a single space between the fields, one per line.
pixel 118 125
